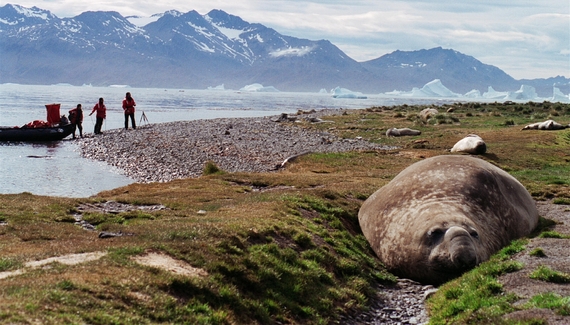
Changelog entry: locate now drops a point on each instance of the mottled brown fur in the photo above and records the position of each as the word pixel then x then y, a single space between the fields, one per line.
pixel 443 215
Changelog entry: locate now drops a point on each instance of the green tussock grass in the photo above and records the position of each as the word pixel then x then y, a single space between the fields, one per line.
pixel 556 302
pixel 537 252
pixel 544 273
pixel 553 234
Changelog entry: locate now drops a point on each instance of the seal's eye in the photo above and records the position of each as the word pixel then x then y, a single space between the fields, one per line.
pixel 435 234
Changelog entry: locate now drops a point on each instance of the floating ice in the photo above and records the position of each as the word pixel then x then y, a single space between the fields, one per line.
pixel 524 93
pixel 345 93
pixel 218 87
pixel 493 94
pixel 475 93
pixel 259 88
pixel 432 89
pixel 558 96
pixel 435 88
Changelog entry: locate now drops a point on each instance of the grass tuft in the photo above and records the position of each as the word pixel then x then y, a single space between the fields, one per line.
pixel 553 234
pixel 537 252
pixel 549 300
pixel 211 169
pixel 544 273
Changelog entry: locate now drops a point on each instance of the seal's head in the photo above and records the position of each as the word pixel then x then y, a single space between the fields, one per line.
pixel 452 251
pixel 440 244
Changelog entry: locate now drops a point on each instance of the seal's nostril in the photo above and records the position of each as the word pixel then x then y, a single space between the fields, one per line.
pixel 465 260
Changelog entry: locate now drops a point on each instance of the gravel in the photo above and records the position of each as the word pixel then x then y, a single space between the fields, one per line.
pixel 167 151
pixel 399 304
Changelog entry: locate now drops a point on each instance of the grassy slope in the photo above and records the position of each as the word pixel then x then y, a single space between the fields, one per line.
pixel 280 247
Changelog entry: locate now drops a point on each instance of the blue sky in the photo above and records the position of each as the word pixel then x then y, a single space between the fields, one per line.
pixel 526 39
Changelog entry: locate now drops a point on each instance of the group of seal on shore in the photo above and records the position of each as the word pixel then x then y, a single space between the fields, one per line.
pixel 444 215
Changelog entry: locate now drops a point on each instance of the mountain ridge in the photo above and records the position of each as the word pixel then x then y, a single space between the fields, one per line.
pixel 190 50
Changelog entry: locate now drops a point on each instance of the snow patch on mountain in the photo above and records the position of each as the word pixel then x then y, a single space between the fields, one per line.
pixel 415 65
pixel 142 21
pixel 230 33
pixel 33 12
pixel 292 51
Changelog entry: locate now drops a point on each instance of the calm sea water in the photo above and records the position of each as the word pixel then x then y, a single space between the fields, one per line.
pixel 57 168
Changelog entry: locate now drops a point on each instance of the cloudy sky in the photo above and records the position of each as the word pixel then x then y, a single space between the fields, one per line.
pixel 526 39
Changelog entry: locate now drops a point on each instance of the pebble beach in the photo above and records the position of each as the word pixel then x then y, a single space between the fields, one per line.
pixel 167 151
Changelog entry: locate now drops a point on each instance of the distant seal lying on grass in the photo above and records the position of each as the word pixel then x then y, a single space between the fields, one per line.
pixel 444 215
pixel 546 125
pixel 394 132
pixel 472 144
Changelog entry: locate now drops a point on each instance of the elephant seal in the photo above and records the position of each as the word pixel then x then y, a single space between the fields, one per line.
pixel 428 113
pixel 472 144
pixel 395 132
pixel 444 215
pixel 546 125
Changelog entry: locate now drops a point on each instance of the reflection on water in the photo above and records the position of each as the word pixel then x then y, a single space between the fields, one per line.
pixel 53 169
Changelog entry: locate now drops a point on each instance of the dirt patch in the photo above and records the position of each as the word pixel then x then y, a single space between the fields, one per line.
pixel 70 259
pixel 557 257
pixel 535 313
pixel 167 263
pixel 117 207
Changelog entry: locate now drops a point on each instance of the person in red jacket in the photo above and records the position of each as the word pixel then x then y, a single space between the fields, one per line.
pixel 129 108
pixel 76 118
pixel 101 110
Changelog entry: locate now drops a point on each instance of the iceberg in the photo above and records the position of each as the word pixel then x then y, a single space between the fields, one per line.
pixel 558 96
pixel 395 93
pixel 433 88
pixel 524 93
pixel 493 94
pixel 218 87
pixel 345 93
pixel 259 88
pixel 475 93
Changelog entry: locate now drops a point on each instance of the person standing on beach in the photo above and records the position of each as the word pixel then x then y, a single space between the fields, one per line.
pixel 129 108
pixel 76 118
pixel 101 114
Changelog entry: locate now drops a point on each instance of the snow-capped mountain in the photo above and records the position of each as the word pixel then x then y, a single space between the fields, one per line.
pixel 190 50
pixel 458 70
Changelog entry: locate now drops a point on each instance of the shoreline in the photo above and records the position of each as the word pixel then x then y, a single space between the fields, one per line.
pixel 173 150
